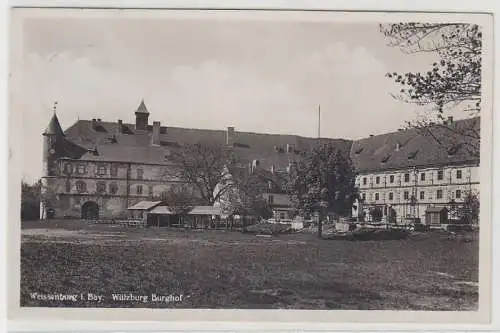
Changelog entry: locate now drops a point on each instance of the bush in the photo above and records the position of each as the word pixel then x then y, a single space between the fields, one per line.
pixel 268 228
pixel 365 234
pixel 459 228
pixel 419 227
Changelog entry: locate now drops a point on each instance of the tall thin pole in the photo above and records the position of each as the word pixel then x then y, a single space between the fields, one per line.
pixel 321 209
pixel 319 121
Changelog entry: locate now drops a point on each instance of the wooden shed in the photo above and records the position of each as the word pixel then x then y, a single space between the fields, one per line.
pixel 436 215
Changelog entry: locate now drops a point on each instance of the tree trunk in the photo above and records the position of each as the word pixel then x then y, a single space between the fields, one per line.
pixel 320 228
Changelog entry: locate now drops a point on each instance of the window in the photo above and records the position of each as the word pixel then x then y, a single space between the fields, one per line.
pixel 113 188
pixel 101 170
pixel 363 196
pixel 81 169
pixel 114 171
pixel 68 186
pixel 422 195
pixel 140 173
pixel 406 195
pixel 407 177
pixel 101 187
pixel 139 189
pixel 81 186
pixel 422 176
pixel 377 180
pixel 391 178
pixel 376 196
pixel 67 169
pixel 439 194
pixel 282 215
pixel 391 196
pixel 364 180
pixel 458 194
pixel 271 199
pixel 440 175
pixel 459 174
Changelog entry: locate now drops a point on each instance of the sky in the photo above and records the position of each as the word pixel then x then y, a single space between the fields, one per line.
pixel 258 76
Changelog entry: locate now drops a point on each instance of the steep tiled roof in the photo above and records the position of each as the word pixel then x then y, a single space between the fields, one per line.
pixel 142 108
pixel 131 146
pixel 54 127
pixel 111 141
pixel 411 148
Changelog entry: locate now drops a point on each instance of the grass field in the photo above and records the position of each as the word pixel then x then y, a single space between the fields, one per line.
pixel 218 269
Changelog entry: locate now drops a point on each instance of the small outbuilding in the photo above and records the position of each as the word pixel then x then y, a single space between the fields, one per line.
pixel 138 212
pixel 196 216
pixel 436 215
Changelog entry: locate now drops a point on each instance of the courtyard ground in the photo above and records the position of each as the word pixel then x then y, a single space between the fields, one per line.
pixel 221 269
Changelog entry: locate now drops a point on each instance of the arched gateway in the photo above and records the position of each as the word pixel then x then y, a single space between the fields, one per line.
pixel 90 210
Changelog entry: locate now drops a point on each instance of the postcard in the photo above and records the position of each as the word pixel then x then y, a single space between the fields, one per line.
pixel 257 165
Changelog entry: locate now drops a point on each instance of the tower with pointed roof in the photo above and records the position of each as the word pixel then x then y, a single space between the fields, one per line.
pixel 141 117
pixel 51 136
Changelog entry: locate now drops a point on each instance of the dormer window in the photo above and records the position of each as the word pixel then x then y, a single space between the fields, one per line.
pixel 453 149
pixel 413 154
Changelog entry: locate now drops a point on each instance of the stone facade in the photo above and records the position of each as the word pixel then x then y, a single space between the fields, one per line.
pixel 113 186
pixel 432 186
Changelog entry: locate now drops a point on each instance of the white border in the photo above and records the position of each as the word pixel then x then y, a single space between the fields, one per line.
pixel 259 326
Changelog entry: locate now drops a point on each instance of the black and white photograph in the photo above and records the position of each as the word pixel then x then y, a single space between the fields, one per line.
pixel 252 160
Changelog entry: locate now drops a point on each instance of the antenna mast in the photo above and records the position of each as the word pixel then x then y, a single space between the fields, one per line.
pixel 319 121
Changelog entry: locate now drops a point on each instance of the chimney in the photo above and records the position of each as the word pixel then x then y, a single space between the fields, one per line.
pixel 230 136
pixel 120 126
pixel 398 146
pixel 94 123
pixel 289 148
pixel 450 120
pixel 155 137
pixel 98 120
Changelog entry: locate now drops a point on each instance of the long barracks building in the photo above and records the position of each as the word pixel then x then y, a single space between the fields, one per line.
pixel 98 168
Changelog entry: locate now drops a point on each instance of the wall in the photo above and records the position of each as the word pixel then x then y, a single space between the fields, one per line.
pixel 77 182
pixel 415 185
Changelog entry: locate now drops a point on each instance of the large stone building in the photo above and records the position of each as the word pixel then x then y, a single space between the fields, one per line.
pixel 98 168
pixel 406 172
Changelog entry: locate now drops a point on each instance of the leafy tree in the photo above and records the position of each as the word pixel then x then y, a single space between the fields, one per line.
pixel 468 212
pixel 39 193
pixel 454 80
pixel 206 168
pixel 30 201
pixel 246 197
pixel 323 175
pixel 251 201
